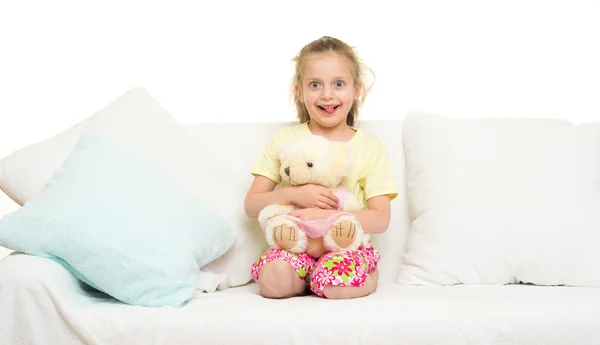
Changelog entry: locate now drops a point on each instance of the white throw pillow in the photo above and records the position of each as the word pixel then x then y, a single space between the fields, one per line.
pixel 7 206
pixel 140 124
pixel 502 201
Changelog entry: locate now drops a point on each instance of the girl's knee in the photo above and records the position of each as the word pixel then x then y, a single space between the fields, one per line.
pixel 343 275
pixel 347 292
pixel 278 279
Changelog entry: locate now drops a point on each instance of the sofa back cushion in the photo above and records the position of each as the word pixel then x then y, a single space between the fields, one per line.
pixel 502 201
pixel 239 144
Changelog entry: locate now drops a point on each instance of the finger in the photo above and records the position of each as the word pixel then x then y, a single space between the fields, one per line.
pixel 324 206
pixel 296 214
pixel 332 196
pixel 330 202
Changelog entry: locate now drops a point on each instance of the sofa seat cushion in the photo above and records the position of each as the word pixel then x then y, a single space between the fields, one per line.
pixel 44 300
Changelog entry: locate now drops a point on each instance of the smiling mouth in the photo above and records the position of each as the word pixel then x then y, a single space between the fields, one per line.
pixel 329 109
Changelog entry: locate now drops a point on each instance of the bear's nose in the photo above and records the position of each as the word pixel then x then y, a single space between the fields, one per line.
pixel 287 171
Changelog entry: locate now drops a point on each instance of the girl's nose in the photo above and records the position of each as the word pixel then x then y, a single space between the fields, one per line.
pixel 326 93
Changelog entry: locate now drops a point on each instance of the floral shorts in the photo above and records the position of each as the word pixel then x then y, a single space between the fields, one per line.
pixel 347 268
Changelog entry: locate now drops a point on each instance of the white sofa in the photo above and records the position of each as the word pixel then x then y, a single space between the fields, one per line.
pixel 41 303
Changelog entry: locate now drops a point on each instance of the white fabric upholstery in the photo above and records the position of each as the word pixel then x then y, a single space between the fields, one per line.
pixel 7 205
pixel 502 201
pixel 51 304
pixel 40 300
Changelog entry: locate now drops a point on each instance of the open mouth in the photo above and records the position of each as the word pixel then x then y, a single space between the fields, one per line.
pixel 329 109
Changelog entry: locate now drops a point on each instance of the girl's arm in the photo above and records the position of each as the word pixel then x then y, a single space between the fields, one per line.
pixel 261 194
pixel 374 220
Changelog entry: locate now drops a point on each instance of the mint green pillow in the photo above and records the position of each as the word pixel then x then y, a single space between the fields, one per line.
pixel 119 226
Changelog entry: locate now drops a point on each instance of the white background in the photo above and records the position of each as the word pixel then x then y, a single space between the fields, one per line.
pixel 62 60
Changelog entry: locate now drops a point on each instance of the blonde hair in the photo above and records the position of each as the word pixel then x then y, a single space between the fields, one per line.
pixel 359 70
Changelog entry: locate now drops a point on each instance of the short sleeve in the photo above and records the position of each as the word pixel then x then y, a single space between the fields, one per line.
pixel 379 179
pixel 267 164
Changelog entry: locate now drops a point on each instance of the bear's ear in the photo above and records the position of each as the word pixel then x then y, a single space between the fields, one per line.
pixel 285 149
pixel 341 159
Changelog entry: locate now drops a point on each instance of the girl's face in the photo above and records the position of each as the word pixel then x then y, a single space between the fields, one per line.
pixel 327 88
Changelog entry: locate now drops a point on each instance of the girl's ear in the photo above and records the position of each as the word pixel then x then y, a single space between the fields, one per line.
pixel 358 87
pixel 298 92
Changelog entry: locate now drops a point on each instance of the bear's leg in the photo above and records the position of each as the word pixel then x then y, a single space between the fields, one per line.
pixel 283 233
pixel 345 234
pixel 272 211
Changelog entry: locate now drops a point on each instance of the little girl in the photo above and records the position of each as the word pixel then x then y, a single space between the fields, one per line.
pixel 329 88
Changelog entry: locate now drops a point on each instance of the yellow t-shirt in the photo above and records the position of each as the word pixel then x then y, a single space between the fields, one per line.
pixel 372 174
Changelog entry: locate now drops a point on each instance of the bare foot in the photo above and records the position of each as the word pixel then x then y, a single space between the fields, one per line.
pixel 343 233
pixel 285 236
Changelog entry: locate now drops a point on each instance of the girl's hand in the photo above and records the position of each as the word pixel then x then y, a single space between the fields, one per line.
pixel 311 213
pixel 315 196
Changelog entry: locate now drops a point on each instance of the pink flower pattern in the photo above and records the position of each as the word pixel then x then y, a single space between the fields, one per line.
pixel 331 269
pixel 301 262
pixel 365 260
pixel 324 277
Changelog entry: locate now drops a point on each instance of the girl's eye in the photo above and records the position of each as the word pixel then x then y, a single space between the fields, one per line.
pixel 314 84
pixel 310 165
pixel 339 83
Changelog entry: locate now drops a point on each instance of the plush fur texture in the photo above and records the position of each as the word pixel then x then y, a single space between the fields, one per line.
pixel 315 160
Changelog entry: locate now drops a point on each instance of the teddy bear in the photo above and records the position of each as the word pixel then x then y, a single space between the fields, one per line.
pixel 313 159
